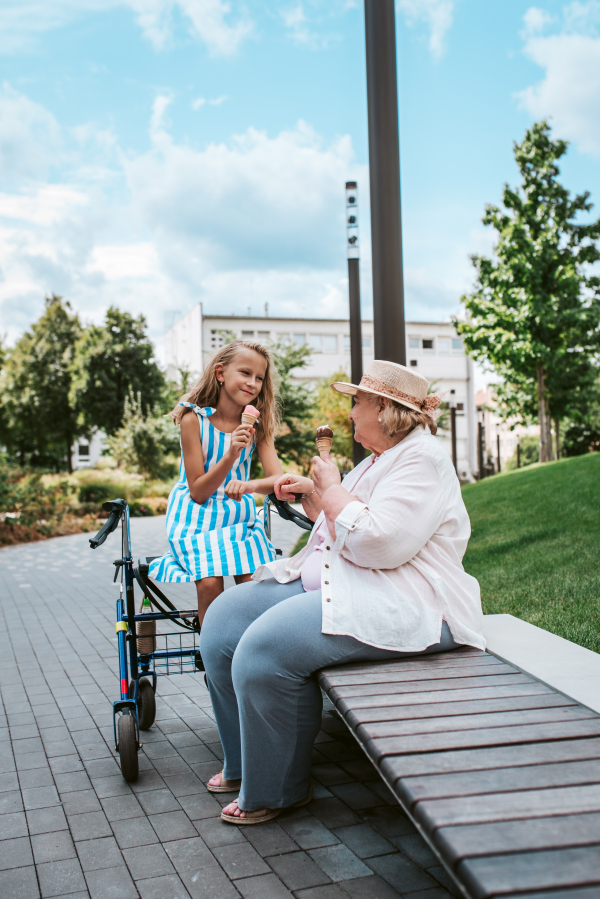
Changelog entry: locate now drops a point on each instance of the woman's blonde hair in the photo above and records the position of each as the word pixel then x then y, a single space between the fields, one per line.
pixel 396 418
pixel 206 391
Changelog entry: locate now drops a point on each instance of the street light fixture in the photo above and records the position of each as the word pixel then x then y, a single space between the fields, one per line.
pixel 353 252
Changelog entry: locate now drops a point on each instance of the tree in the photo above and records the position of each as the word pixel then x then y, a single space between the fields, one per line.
pixel 294 442
pixel 39 423
pixel 534 314
pixel 110 360
pixel 144 439
pixel 332 408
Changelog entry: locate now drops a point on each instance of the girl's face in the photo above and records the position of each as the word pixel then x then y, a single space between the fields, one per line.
pixel 243 377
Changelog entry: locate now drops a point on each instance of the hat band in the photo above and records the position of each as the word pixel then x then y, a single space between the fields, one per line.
pixel 429 404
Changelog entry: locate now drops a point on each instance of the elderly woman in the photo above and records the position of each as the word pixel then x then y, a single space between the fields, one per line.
pixel 380 578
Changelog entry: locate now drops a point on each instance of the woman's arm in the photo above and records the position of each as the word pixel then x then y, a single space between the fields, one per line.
pixel 328 485
pixel 203 484
pixel 288 486
pixel 271 467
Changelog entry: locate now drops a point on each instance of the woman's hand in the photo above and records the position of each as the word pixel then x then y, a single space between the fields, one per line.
pixel 325 474
pixel 240 439
pixel 236 489
pixel 287 484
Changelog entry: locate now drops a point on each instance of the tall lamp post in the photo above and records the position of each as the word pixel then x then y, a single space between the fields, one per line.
pixel 452 406
pixel 353 249
pixel 384 174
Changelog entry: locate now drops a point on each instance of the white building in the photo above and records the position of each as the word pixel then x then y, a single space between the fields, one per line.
pixel 433 349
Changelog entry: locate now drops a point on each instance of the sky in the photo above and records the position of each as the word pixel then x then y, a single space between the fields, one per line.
pixel 158 153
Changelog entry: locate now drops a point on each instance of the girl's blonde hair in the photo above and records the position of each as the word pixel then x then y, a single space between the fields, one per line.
pixel 206 391
pixel 396 418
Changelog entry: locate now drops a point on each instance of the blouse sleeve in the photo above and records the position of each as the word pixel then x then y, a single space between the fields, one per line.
pixel 402 514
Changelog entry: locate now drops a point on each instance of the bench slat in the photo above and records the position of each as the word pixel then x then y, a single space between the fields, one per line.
pixel 533 688
pixel 474 707
pixel 472 840
pixel 532 870
pixel 456 655
pixel 436 813
pixel 420 674
pixel 449 683
pixel 493 736
pixel 496 780
pixel 448 724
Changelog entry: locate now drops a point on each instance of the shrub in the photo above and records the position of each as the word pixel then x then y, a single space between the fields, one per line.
pixel 530 452
pixel 580 437
pixel 94 493
pixel 143 442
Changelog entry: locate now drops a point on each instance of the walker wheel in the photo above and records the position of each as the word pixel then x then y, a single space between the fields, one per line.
pixel 128 749
pixel 146 704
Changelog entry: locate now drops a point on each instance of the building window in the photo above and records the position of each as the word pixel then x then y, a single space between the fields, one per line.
pixel 299 339
pixel 315 342
pixel 346 343
pixel 83 449
pixel 282 337
pixel 366 344
pixel 460 407
pixel 247 335
pixel 330 343
pixel 414 343
pixel 264 335
pixel 217 340
pixel 443 344
pixel 427 345
pixel 413 363
pixel 457 345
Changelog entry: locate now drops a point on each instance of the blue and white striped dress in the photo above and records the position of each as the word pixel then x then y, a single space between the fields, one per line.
pixel 217 537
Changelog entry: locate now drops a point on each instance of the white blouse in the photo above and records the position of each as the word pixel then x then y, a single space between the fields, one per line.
pixel 394 572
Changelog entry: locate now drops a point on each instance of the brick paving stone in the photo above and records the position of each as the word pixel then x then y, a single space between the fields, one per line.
pixel 118 808
pixel 35 777
pixel 200 805
pixel 444 879
pixel 19 883
pixel 14 825
pixel 375 888
pixel 172 826
pixel 89 826
pixel 15 853
pixel 357 796
pixel 52 847
pixel 156 801
pixel 147 861
pixel 331 891
pixel 216 833
pixel 111 786
pixel 210 883
pixel 339 862
pixel 390 822
pixel 364 841
pixel 333 813
pixel 134 832
pixel 9 782
pixel 47 820
pixel 416 849
pixel 270 839
pixel 111 883
pixel 101 853
pixel 330 773
pixel 309 832
pixel 265 886
pixel 298 871
pixel 65 764
pixel 162 887
pixel 80 801
pixel 10 801
pixel 69 783
pixel 433 893
pixel 60 878
pixel 240 860
pixel 401 873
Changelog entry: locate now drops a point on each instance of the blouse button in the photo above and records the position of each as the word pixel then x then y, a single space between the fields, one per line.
pixel 327 599
pixel 327 582
pixel 326 565
pixel 327 547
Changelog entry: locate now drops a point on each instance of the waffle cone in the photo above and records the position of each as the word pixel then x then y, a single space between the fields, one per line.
pixel 249 419
pixel 324 445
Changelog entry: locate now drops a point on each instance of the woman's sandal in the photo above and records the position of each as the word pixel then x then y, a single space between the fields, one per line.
pixel 224 786
pixel 261 816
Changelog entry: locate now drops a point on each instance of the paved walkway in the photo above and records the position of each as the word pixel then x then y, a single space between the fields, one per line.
pixel 71 826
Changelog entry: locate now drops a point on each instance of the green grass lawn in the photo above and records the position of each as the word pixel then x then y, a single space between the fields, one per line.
pixel 535 546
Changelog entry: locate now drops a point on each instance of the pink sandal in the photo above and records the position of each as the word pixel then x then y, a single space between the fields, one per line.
pixel 224 786
pixel 262 815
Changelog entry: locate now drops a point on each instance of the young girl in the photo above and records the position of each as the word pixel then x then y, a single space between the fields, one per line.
pixel 211 517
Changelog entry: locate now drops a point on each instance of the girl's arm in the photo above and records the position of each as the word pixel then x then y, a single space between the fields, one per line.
pixel 271 467
pixel 203 484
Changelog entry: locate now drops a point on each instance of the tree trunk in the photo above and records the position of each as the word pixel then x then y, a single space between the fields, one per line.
pixel 544 418
pixel 69 453
pixel 557 436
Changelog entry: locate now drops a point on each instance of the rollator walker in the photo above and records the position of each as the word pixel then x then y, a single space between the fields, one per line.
pixel 144 654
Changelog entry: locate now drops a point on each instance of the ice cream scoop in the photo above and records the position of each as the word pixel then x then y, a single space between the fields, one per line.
pixel 250 416
pixel 324 440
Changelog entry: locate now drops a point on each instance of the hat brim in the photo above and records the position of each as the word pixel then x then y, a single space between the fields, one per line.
pixel 352 389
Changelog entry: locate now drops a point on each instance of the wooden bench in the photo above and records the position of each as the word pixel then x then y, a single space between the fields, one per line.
pixel 499 772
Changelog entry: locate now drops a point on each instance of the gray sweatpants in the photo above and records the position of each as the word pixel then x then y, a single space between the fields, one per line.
pixel 261 643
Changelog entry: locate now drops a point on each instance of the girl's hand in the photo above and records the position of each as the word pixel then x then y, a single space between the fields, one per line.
pixel 288 484
pixel 325 474
pixel 236 489
pixel 240 439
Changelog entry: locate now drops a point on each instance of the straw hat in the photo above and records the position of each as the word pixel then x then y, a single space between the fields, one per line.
pixel 396 382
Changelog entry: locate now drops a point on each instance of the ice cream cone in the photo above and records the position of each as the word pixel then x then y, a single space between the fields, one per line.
pixel 249 419
pixel 324 445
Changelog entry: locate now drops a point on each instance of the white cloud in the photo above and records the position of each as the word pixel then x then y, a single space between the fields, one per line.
pixel 29 136
pixel 437 15
pixel 198 103
pixel 209 21
pixel 570 89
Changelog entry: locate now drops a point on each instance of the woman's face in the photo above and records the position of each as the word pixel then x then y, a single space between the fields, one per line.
pixel 364 414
